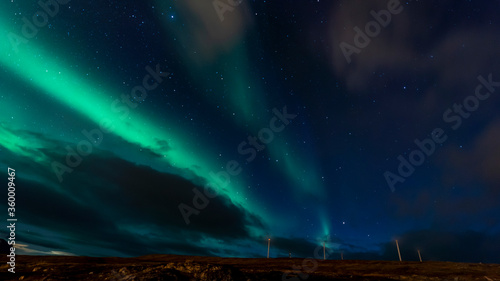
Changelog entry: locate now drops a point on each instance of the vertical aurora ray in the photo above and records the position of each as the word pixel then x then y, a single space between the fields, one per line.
pixel 241 90
pixel 325 224
pixel 247 97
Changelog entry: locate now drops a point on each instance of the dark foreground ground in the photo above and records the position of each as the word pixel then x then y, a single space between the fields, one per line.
pixel 167 267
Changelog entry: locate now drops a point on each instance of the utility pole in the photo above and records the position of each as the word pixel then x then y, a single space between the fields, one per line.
pixel 268 245
pixel 399 253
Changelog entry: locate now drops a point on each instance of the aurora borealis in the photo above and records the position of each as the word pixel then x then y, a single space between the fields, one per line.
pixel 116 113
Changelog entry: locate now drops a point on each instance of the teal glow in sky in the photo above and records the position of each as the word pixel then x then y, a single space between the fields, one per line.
pixel 206 94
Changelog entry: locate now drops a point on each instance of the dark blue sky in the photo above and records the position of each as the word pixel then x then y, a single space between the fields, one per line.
pixel 355 122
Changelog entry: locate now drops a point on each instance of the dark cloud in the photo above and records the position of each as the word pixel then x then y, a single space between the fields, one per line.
pixel 155 197
pixel 396 49
pixel 34 238
pixel 435 55
pixel 108 202
pixel 473 170
pixel 482 160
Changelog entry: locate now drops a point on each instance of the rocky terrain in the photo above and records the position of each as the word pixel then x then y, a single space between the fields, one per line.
pixel 170 267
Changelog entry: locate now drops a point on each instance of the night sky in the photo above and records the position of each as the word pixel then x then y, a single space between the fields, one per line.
pixel 351 122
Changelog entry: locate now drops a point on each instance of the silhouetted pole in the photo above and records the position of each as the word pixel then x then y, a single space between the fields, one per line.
pixel 399 253
pixel 419 256
pixel 268 245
